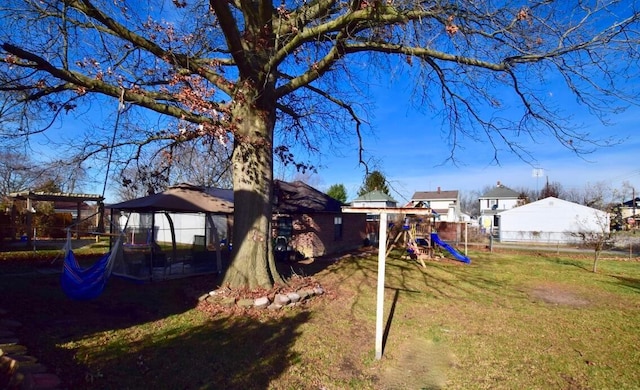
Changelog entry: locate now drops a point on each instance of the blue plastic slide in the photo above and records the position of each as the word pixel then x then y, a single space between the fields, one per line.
pixel 459 256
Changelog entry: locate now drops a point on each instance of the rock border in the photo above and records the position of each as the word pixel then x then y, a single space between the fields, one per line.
pixel 18 370
pixel 264 302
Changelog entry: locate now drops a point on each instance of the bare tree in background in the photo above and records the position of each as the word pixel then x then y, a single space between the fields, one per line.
pixel 594 233
pixel 19 172
pixel 201 165
pixel 469 202
pixel 269 77
pixel 554 189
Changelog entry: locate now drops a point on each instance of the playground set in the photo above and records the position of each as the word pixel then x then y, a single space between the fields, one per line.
pixel 420 241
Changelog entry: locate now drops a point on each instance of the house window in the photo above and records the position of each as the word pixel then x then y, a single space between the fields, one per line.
pixel 337 228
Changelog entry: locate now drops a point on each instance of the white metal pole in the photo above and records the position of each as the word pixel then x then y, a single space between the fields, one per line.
pixel 466 238
pixel 382 250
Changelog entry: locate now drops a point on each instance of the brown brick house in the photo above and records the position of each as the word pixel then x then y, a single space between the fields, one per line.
pixel 313 222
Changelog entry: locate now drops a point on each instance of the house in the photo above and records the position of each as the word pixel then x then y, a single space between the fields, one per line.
pixel 631 212
pixel 550 221
pixel 494 201
pixel 375 199
pixel 445 203
pixel 313 222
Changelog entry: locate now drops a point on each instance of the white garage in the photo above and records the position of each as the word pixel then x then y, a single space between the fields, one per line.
pixel 550 220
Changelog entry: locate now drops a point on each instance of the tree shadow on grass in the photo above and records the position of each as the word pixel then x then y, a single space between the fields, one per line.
pixel 632 283
pixel 582 264
pixel 118 350
pixel 224 353
pixel 40 302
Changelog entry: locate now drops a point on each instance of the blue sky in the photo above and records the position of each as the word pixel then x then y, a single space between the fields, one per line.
pixel 410 149
pixel 411 152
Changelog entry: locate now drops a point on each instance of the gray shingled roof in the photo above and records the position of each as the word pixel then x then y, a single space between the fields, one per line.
pixel 500 192
pixel 375 196
pixel 435 195
pixel 292 198
pixel 298 197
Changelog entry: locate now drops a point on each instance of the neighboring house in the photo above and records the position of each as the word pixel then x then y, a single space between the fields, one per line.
pixel 314 221
pixel 550 221
pixel 630 212
pixel 494 201
pixel 468 218
pixel 377 199
pixel 445 203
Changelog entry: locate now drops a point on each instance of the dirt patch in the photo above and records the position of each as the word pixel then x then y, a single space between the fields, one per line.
pixel 558 294
pixel 416 364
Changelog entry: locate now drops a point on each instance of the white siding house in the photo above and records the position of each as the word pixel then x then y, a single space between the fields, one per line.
pixel 374 198
pixel 494 201
pixel 550 220
pixel 446 203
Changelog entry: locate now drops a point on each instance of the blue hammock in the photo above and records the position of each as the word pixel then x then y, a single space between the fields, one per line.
pixel 86 283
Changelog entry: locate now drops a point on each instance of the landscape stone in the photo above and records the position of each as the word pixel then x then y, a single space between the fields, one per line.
pixel 306 293
pixel 8 341
pixel 274 306
pixel 318 290
pixel 293 297
pixel 281 299
pixel 14 349
pixel 261 303
pixel 24 359
pixel 28 367
pixel 8 369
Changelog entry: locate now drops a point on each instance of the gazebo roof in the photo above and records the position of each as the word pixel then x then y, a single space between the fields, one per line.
pixel 56 196
pixel 184 198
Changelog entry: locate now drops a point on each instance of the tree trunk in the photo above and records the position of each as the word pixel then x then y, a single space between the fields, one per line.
pixel 595 261
pixel 252 261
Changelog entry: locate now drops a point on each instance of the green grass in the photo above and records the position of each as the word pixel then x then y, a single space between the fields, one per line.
pixel 508 320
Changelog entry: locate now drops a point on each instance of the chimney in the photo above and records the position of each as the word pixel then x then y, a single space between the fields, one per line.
pixel 499 184
pixel 438 190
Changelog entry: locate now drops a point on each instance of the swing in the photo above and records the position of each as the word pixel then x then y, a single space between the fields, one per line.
pixel 88 283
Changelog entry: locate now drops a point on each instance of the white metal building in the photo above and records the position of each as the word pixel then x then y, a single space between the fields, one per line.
pixel 550 220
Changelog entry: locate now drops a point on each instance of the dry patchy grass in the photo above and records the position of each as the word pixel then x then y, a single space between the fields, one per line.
pixel 506 321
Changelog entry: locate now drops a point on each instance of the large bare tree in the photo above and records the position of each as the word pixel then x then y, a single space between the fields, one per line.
pixel 267 75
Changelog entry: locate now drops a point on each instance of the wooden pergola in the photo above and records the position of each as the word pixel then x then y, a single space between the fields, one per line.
pixel 35 196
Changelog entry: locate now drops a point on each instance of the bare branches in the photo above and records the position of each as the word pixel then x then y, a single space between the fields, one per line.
pixel 481 66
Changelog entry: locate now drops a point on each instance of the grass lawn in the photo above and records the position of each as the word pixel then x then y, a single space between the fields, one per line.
pixel 507 321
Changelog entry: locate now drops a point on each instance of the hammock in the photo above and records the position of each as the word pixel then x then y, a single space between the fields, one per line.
pixel 87 283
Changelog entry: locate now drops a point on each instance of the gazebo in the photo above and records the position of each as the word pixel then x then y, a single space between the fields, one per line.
pixel 36 196
pixel 177 232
